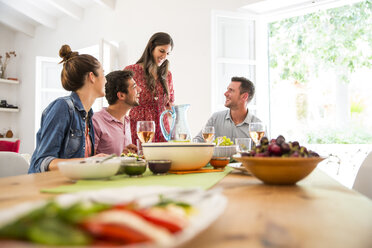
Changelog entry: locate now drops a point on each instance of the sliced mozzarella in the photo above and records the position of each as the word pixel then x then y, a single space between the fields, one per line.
pixel 169 214
pixel 158 234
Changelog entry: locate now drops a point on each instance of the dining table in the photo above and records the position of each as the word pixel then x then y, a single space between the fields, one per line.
pixel 316 212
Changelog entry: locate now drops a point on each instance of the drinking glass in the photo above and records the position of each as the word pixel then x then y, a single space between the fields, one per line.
pixel 145 131
pixel 257 131
pixel 243 144
pixel 208 133
pixel 182 134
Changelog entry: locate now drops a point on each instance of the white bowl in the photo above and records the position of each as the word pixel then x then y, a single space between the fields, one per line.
pixel 224 151
pixel 89 168
pixel 126 160
pixel 184 156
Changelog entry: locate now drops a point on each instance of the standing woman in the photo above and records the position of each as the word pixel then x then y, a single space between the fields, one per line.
pixel 66 129
pixel 153 77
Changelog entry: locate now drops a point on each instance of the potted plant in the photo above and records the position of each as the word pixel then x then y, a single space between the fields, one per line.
pixel 4 64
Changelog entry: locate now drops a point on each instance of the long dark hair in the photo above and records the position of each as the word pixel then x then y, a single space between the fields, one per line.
pixel 157 39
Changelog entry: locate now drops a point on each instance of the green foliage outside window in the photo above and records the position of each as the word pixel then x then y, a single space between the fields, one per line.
pixel 356 107
pixel 338 40
pixel 340 37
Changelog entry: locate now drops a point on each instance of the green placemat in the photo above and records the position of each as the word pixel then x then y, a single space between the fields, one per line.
pixel 202 180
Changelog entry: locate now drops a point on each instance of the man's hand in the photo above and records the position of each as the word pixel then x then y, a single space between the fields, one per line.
pixel 130 148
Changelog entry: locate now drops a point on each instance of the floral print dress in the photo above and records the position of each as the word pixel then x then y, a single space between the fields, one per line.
pixel 150 106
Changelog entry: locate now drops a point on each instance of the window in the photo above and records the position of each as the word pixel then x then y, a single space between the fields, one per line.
pixel 48 85
pixel 298 93
pixel 318 66
pixel 233 54
pixel 48 77
pixel 237 51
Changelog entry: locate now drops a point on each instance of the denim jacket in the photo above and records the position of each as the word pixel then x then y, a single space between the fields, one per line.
pixel 61 133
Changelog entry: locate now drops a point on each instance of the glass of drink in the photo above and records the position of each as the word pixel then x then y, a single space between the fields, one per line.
pixel 243 144
pixel 208 133
pixel 182 135
pixel 257 131
pixel 145 131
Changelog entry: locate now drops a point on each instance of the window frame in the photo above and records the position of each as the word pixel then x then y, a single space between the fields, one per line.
pixel 260 61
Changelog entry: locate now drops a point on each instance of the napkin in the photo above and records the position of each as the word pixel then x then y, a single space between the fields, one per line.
pixel 196 171
pixel 192 180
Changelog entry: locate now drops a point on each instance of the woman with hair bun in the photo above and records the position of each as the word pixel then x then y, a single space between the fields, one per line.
pixel 152 75
pixel 66 130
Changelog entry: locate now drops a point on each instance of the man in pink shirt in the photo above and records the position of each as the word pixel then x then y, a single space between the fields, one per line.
pixel 111 125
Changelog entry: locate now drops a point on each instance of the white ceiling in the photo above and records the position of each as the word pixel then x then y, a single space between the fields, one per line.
pixel 268 7
pixel 26 15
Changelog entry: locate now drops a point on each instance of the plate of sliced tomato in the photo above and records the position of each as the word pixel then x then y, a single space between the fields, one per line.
pixel 153 216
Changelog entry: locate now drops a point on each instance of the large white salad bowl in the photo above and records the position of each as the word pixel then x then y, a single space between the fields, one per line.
pixel 184 155
pixel 89 168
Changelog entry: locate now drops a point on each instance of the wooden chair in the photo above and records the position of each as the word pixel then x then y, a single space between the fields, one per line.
pixel 9 146
pixel 363 180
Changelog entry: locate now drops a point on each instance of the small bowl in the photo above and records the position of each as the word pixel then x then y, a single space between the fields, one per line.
pixel 224 151
pixel 219 162
pixel 123 162
pixel 278 170
pixel 135 168
pixel 159 167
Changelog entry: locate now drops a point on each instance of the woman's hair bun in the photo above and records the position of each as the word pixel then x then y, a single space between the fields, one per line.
pixel 65 53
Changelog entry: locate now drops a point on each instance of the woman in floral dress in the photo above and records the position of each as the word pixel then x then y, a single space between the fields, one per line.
pixel 153 77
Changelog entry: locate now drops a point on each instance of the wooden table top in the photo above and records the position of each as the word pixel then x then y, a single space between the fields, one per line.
pixel 317 212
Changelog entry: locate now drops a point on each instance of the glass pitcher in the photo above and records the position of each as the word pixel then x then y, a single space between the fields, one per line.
pixel 179 130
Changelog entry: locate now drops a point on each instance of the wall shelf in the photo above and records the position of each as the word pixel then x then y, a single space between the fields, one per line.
pixel 10 139
pixel 7 81
pixel 9 110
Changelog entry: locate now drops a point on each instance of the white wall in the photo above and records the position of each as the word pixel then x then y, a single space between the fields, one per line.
pixel 9 92
pixel 131 23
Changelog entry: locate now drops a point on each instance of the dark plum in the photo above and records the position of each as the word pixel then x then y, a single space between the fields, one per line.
pixel 285 147
pixel 295 144
pixel 279 147
pixel 313 154
pixel 280 140
pixel 295 154
pixel 275 149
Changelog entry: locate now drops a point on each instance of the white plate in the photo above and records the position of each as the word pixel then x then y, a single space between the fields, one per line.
pixel 239 167
pixel 209 205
